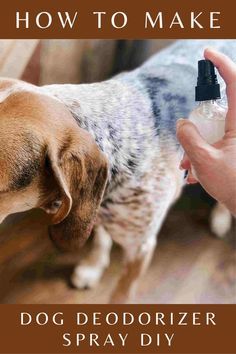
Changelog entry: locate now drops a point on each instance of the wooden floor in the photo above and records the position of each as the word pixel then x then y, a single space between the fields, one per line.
pixel 190 265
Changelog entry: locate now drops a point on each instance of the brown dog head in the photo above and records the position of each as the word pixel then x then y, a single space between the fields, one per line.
pixel 47 161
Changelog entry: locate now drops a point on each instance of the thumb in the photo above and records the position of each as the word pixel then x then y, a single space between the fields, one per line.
pixel 191 140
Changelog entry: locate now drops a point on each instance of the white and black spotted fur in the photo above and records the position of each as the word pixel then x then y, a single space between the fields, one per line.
pixel 132 118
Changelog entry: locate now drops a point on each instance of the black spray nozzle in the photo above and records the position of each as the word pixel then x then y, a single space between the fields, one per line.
pixel 207 84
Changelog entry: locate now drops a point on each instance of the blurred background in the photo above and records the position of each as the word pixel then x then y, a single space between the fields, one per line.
pixel 190 264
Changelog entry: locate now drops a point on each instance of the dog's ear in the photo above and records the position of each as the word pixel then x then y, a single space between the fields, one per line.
pixel 76 176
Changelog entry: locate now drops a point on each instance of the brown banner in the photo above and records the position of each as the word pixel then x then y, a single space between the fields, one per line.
pixel 117 329
pixel 117 19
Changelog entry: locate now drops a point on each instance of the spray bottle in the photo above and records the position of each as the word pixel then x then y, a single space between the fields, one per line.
pixel 208 116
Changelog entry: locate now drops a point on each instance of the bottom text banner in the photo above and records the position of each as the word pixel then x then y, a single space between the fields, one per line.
pixel 117 329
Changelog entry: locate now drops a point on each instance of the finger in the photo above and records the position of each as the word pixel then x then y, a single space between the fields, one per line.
pixel 191 140
pixel 224 64
pixel 227 69
pixel 230 121
pixel 185 163
pixel 191 179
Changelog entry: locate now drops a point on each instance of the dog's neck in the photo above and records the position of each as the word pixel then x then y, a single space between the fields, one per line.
pixel 111 112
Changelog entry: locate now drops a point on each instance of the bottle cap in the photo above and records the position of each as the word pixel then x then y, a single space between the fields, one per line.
pixel 207 84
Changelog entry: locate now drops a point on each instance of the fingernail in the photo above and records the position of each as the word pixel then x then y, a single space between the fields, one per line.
pixel 212 49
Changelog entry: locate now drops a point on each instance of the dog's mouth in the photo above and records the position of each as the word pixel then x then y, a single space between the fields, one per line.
pixel 63 242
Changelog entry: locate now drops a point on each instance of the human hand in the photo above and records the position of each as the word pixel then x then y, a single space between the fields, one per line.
pixel 214 165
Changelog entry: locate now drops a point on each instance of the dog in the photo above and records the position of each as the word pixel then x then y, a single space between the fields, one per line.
pixel 103 157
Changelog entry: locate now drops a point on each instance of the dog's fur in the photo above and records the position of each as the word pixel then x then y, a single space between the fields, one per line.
pixel 102 156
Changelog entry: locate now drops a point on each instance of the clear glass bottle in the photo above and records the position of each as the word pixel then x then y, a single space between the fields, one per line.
pixel 208 116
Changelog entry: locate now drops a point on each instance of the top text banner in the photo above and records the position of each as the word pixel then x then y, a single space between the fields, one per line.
pixel 117 19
